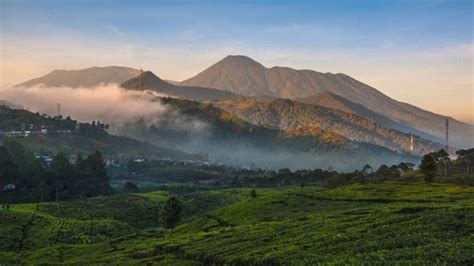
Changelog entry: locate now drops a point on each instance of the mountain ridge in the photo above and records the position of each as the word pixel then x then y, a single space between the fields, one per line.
pixel 87 77
pixel 231 74
pixel 287 114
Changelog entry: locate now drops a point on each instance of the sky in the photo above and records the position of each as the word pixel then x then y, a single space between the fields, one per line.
pixel 420 52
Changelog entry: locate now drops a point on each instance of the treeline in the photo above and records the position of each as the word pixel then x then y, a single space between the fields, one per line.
pixel 438 165
pixel 222 175
pixel 320 177
pixel 25 178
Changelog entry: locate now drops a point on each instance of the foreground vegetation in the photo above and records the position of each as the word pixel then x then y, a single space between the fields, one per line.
pixel 360 223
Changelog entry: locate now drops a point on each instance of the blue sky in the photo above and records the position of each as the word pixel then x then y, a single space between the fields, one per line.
pixel 407 49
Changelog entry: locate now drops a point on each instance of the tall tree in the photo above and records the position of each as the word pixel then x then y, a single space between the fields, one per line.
pixel 63 177
pixel 97 178
pixel 428 167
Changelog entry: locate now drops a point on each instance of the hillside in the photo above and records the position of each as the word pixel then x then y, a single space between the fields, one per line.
pixel 202 127
pixel 149 81
pixel 384 223
pixel 54 134
pixel 243 75
pixel 286 114
pixel 337 102
pixel 88 77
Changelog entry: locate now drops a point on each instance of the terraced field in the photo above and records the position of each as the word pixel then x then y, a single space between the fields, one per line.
pixel 371 223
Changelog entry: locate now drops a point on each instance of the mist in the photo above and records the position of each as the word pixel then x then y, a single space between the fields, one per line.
pixel 135 113
pixel 107 103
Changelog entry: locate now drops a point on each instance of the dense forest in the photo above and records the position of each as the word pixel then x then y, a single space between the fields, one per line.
pixel 35 180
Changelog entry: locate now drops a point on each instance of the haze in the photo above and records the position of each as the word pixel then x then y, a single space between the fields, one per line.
pixel 418 52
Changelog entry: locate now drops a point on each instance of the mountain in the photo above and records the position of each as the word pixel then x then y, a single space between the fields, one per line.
pixel 88 77
pixel 287 114
pixel 202 127
pixel 57 134
pixel 149 81
pixel 245 76
pixel 337 102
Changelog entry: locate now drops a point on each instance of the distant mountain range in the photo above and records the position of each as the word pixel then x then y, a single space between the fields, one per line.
pixel 88 77
pixel 244 76
pixel 239 77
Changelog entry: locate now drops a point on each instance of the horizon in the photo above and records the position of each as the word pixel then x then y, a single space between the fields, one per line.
pixel 420 53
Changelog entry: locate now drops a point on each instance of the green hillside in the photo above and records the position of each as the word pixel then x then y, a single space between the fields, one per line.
pixel 356 224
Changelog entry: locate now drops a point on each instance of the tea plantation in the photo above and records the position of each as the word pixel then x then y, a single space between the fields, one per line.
pixel 356 224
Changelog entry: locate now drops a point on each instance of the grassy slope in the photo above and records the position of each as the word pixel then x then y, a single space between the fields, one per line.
pixel 359 223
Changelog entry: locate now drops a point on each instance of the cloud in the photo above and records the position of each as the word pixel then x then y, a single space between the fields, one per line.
pixel 107 103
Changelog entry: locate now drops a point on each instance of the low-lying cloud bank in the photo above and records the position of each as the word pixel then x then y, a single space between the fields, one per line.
pixel 107 103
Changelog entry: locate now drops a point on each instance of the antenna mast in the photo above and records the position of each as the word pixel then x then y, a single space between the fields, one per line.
pixel 59 109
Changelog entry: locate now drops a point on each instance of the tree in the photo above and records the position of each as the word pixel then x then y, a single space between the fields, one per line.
pixel 172 211
pixel 63 176
pixel 8 170
pixel 253 193
pixel 96 175
pixel 428 167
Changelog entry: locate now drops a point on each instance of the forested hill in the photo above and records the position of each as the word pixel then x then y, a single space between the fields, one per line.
pixel 287 114
pixel 40 133
pixel 215 131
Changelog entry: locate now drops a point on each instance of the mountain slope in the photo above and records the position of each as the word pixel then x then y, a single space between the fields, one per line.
pixel 88 77
pixel 247 77
pixel 149 81
pixel 203 127
pixel 337 102
pixel 287 114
